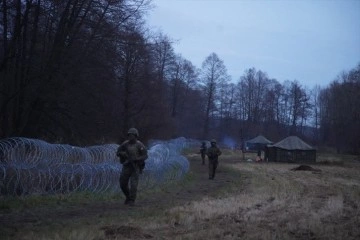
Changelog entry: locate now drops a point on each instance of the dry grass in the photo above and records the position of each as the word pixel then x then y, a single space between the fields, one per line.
pixel 278 204
pixel 268 201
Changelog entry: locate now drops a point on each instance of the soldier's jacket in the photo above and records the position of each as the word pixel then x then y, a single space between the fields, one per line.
pixel 132 152
pixel 213 153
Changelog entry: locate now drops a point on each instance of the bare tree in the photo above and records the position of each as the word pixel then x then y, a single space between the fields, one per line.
pixel 340 119
pixel 315 95
pixel 298 100
pixel 184 99
pixel 163 56
pixel 214 73
pixel 48 49
pixel 248 85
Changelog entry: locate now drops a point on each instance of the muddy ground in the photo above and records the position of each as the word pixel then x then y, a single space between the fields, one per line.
pixel 15 223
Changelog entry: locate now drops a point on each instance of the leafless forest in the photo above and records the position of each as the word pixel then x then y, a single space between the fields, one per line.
pixel 84 71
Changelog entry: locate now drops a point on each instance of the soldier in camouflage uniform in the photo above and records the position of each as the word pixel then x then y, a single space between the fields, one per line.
pixel 213 153
pixel 132 154
pixel 203 150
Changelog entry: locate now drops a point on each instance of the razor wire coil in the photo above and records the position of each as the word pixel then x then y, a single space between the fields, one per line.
pixel 32 166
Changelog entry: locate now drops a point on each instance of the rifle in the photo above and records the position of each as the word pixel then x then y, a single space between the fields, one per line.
pixel 132 162
pixel 125 158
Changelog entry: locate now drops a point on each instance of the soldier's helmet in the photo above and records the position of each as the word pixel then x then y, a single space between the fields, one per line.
pixel 213 141
pixel 133 131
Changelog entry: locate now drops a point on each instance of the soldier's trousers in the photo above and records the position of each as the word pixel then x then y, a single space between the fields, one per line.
pixel 129 179
pixel 212 168
pixel 203 158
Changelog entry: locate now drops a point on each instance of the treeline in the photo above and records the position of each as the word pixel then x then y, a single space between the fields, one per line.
pixel 84 71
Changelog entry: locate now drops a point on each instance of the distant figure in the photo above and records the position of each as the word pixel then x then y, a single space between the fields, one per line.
pixel 258 157
pixel 132 154
pixel 203 150
pixel 213 154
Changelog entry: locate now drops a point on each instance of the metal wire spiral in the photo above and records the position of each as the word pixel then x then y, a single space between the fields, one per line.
pixel 32 166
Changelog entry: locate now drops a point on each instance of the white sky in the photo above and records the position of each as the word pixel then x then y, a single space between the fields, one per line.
pixel 311 41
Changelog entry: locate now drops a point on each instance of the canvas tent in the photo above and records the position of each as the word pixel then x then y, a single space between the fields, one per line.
pixel 290 149
pixel 258 143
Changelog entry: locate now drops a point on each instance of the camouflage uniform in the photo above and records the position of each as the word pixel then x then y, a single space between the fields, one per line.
pixel 213 153
pixel 203 150
pixel 132 155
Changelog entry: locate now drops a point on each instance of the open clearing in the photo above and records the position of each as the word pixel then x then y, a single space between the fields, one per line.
pixel 246 200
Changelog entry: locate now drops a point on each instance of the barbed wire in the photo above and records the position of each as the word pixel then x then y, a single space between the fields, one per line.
pixel 32 166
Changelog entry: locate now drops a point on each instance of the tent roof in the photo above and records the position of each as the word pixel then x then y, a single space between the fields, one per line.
pixel 260 139
pixel 293 143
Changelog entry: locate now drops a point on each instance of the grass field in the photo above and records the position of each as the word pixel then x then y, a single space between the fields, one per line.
pixel 247 200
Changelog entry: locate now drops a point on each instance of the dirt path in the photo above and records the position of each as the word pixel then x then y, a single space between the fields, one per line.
pixel 66 215
pixel 245 201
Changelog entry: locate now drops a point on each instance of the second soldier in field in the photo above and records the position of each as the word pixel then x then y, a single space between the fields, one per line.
pixel 132 154
pixel 213 153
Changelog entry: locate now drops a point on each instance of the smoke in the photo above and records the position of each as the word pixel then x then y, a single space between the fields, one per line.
pixel 229 142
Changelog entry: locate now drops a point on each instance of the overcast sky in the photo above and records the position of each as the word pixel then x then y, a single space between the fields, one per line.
pixel 309 41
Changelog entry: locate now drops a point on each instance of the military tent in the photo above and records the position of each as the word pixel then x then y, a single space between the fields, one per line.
pixel 290 149
pixel 258 143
